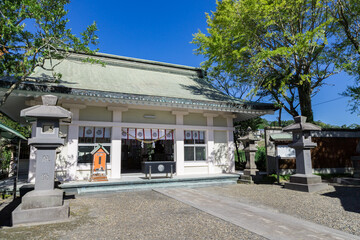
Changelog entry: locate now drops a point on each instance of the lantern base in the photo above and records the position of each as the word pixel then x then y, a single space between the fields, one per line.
pixel 306 183
pixel 41 206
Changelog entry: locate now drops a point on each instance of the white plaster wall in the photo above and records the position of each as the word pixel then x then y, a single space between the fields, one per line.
pixel 137 116
pixel 196 119
pixel 220 121
pixel 91 113
pixel 221 152
pixel 62 163
pixel 189 170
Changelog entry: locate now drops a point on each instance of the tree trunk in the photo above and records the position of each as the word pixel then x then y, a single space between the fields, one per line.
pixel 279 118
pixel 237 149
pixel 9 91
pixel 305 101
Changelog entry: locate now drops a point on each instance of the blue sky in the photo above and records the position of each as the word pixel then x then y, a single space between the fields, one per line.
pixel 161 30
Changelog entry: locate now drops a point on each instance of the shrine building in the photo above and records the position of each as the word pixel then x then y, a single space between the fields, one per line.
pixel 138 110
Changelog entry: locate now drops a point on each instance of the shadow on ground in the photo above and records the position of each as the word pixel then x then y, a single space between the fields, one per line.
pixel 349 197
pixel 5 212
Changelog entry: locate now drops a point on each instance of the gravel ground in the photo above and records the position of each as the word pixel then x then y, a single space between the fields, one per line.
pixel 132 215
pixel 338 207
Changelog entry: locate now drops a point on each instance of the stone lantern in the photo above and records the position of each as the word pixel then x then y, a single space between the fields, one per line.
pixel 303 180
pixel 249 142
pixel 44 203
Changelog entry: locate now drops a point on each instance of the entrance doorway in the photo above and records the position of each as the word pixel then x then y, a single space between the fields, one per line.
pixel 133 152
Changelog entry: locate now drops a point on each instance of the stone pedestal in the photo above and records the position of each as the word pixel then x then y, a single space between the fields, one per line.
pixel 305 183
pixel 44 203
pixel 356 164
pixel 40 207
pixel 303 180
pixel 250 151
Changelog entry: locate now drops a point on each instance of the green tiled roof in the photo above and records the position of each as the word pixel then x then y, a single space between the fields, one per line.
pixel 9 133
pixel 134 76
pixel 281 136
pixel 134 81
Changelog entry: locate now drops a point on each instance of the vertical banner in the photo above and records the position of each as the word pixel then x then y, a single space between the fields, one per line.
pixel 99 132
pixel 155 134
pixel 148 134
pixel 188 135
pixel 131 133
pixel 140 133
pixel 124 133
pixel 89 132
pixel 161 134
pixel 107 132
pixel 81 131
pixel 201 135
pixel 195 135
pixel 169 134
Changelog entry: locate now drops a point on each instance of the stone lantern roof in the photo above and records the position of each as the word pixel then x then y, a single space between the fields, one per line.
pixel 250 137
pixel 47 110
pixel 301 125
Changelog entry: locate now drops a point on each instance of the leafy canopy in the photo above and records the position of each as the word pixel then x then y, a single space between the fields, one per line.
pixel 33 32
pixel 279 47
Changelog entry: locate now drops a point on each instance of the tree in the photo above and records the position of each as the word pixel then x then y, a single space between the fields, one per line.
pixel 347 16
pixel 279 47
pixel 33 33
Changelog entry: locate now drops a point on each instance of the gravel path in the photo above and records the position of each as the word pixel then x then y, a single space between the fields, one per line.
pixel 132 215
pixel 338 207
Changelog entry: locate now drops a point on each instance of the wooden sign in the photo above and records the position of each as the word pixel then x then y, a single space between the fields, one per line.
pixel 99 164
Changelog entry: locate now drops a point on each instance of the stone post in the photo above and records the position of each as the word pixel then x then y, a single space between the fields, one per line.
pixel 45 203
pixel 303 180
pixel 249 142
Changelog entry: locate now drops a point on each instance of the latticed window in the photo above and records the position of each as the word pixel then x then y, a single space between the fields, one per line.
pixel 195 147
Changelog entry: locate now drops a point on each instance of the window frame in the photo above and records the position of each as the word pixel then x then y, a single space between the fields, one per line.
pixel 194 145
pixel 108 144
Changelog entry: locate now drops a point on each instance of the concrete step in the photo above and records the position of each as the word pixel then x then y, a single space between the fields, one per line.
pixel 99 179
pixel 144 184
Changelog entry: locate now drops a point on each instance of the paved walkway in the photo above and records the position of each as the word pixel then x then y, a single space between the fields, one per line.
pixel 264 222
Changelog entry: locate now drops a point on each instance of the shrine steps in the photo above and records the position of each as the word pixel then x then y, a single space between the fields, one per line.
pixel 99 179
pixel 137 183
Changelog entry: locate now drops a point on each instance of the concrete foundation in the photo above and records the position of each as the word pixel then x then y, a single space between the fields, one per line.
pixel 306 183
pixel 40 215
pixel 41 206
pixel 245 179
pixel 42 199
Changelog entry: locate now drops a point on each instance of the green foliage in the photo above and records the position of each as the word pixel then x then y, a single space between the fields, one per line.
pixel 242 127
pixel 260 158
pixel 347 15
pixel 24 130
pixel 282 177
pixel 5 158
pixel 34 34
pixel 280 48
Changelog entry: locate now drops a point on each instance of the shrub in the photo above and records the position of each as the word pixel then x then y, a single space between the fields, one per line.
pixel 260 158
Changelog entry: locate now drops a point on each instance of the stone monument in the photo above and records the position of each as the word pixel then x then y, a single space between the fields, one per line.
pixel 249 142
pixel 303 180
pixel 44 203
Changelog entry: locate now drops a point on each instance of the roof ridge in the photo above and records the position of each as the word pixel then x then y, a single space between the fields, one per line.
pixel 111 57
